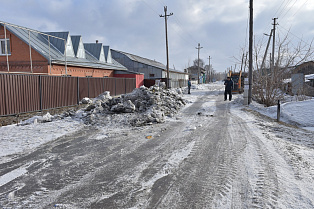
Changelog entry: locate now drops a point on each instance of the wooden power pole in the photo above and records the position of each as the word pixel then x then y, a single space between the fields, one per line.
pixel 198 62
pixel 209 71
pixel 165 16
pixel 273 51
pixel 250 54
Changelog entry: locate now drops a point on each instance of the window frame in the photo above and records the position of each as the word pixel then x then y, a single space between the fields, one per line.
pixel 8 47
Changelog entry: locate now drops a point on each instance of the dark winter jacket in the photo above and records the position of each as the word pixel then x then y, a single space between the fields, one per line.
pixel 189 83
pixel 228 85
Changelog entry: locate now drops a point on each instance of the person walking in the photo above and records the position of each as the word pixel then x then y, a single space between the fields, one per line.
pixel 228 87
pixel 189 86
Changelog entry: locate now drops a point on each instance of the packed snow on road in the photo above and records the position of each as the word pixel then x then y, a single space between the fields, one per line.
pixel 157 148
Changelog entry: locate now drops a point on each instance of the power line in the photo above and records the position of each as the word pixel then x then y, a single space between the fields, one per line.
pixel 279 7
pixel 284 8
pixel 181 26
pixel 289 9
pixel 161 3
pixel 300 7
pixel 288 31
pixel 150 7
pixel 289 21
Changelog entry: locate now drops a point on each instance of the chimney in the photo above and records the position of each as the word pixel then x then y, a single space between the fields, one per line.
pixel 96 41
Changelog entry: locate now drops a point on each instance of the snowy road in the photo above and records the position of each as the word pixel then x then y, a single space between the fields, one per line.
pixel 214 154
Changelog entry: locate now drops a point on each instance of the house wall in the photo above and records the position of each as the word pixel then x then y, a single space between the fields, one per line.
pixel 150 72
pixel 80 71
pixel 305 68
pixel 175 76
pixel 19 60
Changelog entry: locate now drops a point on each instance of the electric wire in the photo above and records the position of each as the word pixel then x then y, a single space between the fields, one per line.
pixel 288 31
pixel 150 7
pixel 300 7
pixel 279 7
pixel 289 9
pixel 284 8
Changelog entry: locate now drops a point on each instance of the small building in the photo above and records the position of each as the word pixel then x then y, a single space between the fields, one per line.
pixel 193 73
pixel 306 68
pixel 151 69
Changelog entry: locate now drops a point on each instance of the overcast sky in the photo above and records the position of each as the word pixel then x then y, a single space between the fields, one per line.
pixel 134 26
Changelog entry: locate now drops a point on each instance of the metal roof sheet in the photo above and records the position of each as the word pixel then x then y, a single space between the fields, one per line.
pixel 142 60
pixel 107 54
pixel 75 42
pixel 94 49
pixel 59 43
pixel 37 41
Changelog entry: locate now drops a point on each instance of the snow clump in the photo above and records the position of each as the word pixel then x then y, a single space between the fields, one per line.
pixel 143 106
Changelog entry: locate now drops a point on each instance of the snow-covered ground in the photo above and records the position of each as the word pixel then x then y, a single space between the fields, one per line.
pixel 16 139
pixel 21 138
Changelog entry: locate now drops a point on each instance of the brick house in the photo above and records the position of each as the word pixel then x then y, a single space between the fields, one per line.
pixel 51 53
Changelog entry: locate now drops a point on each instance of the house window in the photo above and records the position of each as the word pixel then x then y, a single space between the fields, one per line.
pixel 151 75
pixel 2 47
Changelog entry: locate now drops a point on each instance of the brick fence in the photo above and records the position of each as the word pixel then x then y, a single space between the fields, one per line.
pixel 29 93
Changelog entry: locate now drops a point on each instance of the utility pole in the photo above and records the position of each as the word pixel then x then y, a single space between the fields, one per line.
pixel 242 61
pixel 210 75
pixel 165 16
pixel 245 61
pixel 198 62
pixel 264 59
pixel 273 53
pixel 250 54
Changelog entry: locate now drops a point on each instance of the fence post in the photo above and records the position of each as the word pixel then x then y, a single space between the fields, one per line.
pixel 125 80
pixel 40 94
pixel 78 90
pixel 278 111
pixel 115 86
pixel 88 86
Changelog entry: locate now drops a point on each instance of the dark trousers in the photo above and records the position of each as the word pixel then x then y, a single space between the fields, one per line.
pixel 189 89
pixel 230 94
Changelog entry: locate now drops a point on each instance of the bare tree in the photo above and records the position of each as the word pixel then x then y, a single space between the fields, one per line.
pixel 268 82
pixel 202 63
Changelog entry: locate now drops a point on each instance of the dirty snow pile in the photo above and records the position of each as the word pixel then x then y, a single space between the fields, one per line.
pixel 143 106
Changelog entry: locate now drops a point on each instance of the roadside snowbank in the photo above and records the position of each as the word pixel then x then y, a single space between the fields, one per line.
pixel 299 113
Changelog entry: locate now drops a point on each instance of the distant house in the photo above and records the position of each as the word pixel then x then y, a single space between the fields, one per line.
pixel 306 73
pixel 306 68
pixel 193 73
pixel 52 53
pixel 151 69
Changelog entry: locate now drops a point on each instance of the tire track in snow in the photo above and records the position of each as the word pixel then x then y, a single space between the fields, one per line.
pixel 265 189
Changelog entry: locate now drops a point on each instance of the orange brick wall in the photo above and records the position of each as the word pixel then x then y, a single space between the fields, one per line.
pixel 79 71
pixel 19 60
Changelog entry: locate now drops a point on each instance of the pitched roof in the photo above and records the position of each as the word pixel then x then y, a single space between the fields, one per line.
pixel 96 49
pixel 78 46
pixel 38 41
pixel 142 60
pixel 108 54
pixel 55 54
